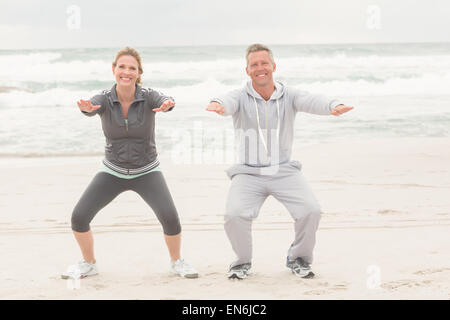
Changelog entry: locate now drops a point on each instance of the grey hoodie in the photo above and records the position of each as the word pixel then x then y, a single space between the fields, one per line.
pixel 262 149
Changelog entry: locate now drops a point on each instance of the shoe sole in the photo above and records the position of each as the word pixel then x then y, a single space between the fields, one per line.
pixel 235 276
pixel 238 275
pixel 187 276
pixel 65 277
pixel 309 275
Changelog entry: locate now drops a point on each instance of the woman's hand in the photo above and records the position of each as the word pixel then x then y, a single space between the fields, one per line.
pixel 86 106
pixel 216 107
pixel 166 105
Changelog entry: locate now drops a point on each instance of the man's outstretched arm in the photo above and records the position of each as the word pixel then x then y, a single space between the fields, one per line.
pixel 320 104
pixel 226 105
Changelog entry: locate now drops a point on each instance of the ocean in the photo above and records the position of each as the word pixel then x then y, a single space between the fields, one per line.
pixel 398 90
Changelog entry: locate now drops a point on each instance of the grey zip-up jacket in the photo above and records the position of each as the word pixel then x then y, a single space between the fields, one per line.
pixel 264 130
pixel 130 145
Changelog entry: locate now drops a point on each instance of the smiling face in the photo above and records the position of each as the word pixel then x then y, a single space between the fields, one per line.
pixel 260 68
pixel 126 71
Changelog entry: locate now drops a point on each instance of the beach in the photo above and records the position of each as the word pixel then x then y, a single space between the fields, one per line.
pixel 384 232
pixel 381 172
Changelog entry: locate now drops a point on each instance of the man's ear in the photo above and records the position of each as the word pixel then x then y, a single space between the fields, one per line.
pixel 274 66
pixel 246 70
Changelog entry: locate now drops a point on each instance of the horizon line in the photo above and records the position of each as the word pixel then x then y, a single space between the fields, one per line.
pixel 226 45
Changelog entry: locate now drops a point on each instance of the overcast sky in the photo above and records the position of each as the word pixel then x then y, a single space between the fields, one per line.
pixel 112 23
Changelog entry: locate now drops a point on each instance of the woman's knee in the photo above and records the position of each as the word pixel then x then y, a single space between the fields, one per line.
pixel 79 221
pixel 170 223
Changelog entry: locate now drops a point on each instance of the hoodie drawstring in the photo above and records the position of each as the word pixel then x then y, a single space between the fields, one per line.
pixel 259 127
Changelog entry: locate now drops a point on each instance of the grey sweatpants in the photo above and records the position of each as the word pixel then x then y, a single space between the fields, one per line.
pixel 245 198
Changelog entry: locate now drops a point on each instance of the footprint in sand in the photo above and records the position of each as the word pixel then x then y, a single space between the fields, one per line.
pixel 393 285
pixel 136 284
pixel 340 287
pixel 310 283
pixel 213 274
pixel 315 292
pixel 328 290
pixel 430 271
pixel 206 284
pixel 99 286
pixel 411 283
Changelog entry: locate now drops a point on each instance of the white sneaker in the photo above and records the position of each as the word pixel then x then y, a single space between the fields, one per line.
pixel 183 269
pixel 81 270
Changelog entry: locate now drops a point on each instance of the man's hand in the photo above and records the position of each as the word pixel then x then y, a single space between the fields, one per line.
pixel 216 107
pixel 166 105
pixel 340 109
pixel 86 106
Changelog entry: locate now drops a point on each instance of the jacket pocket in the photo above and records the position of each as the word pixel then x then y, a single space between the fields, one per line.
pixel 117 151
pixel 108 148
pixel 138 154
pixel 121 152
pixel 109 152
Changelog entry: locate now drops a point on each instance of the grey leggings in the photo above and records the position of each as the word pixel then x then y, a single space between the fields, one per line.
pixel 105 187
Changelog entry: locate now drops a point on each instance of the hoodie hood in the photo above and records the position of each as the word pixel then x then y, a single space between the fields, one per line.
pixel 277 94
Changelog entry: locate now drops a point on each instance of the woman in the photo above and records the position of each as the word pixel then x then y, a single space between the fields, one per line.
pixel 128 113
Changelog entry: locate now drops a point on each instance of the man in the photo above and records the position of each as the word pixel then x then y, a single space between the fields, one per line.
pixel 263 116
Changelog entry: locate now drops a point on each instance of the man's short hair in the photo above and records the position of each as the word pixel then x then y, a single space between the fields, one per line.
pixel 258 47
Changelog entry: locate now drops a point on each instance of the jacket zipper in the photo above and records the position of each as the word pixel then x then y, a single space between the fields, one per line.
pixel 126 120
pixel 267 125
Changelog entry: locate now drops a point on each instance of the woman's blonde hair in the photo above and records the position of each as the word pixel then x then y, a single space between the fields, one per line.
pixel 127 51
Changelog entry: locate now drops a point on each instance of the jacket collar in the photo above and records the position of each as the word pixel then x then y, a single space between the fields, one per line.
pixel 279 90
pixel 138 95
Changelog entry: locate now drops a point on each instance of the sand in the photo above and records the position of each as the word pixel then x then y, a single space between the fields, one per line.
pixel 384 233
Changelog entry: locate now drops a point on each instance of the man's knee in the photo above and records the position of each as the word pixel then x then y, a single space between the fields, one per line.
pixel 236 225
pixel 309 211
pixel 232 218
pixel 236 209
